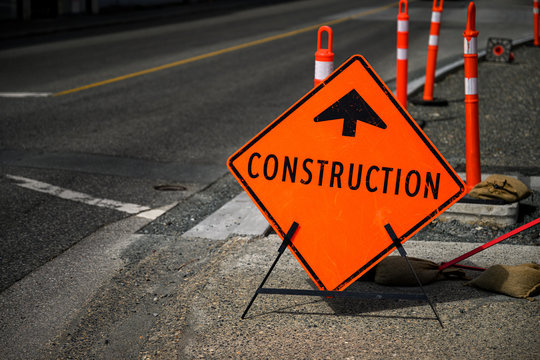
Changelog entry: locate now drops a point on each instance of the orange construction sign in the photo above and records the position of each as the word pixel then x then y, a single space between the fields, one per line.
pixel 343 162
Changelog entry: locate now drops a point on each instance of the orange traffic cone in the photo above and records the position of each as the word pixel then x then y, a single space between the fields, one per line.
pixel 324 58
pixel 472 135
pixel 402 55
pixel 431 64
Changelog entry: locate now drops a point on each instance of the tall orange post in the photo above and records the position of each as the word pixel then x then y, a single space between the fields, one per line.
pixel 472 135
pixel 535 12
pixel 433 48
pixel 402 52
pixel 324 58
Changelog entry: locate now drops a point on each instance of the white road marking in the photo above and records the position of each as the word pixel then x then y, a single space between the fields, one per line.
pixel 23 94
pixel 140 210
pixel 151 214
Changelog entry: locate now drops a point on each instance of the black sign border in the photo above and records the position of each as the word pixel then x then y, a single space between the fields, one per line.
pixel 411 122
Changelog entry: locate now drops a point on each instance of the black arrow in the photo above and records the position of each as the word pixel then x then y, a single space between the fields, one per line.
pixel 351 108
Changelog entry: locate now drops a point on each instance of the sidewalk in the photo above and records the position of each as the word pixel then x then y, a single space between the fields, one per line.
pixel 478 325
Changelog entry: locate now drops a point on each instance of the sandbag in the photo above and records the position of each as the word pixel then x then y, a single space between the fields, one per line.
pixel 519 281
pixel 394 271
pixel 500 187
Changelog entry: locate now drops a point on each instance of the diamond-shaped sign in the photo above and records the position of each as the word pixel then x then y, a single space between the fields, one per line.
pixel 343 162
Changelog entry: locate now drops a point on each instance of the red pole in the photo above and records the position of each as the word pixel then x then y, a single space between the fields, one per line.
pixel 324 58
pixel 433 48
pixel 535 12
pixel 489 244
pixel 472 136
pixel 402 49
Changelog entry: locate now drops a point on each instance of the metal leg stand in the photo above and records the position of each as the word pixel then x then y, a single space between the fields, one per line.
pixel 282 248
pixel 403 253
pixel 287 241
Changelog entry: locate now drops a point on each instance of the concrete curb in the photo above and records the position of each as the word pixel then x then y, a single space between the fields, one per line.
pixel 239 216
pixel 482 214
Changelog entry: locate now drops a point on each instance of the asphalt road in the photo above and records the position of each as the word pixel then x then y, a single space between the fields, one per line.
pixel 168 103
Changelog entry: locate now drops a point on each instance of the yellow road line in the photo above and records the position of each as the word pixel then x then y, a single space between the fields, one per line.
pixel 224 51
